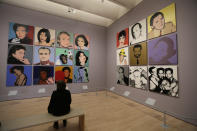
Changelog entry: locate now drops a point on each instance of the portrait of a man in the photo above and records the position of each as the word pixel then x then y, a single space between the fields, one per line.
pixel 43 55
pixel 162 22
pixel 64 73
pixel 138 54
pixel 137 32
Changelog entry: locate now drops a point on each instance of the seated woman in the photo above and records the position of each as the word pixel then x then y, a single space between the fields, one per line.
pixel 60 102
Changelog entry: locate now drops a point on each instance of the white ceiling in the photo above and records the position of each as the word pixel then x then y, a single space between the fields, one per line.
pixel 98 12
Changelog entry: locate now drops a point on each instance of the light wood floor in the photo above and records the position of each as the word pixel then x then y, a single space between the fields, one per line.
pixel 102 113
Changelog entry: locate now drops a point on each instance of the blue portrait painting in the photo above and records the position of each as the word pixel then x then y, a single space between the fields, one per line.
pixel 19 76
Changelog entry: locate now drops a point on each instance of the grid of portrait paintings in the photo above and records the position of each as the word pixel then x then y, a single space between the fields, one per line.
pixel 40 56
pixel 147 56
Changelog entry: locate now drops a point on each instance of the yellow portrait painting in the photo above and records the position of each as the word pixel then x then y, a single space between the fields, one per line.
pixel 162 22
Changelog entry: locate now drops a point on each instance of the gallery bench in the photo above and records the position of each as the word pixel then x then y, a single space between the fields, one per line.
pixel 24 122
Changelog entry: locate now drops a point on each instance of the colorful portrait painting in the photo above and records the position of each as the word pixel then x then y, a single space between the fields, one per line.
pixel 43 55
pixel 64 73
pixel 19 76
pixel 122 73
pixel 163 50
pixel 164 80
pixel 122 56
pixel 138 54
pixel 20 54
pixel 162 22
pixel 81 58
pixel 137 32
pixel 43 75
pixel 64 56
pixel 20 34
pixel 64 39
pixel 81 74
pixel 138 77
pixel 82 42
pixel 122 38
pixel 44 37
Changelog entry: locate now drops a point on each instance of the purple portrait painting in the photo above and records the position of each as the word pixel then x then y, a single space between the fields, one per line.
pixel 163 50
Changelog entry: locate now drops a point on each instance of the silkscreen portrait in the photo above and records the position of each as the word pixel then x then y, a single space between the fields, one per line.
pixel 19 75
pixel 122 56
pixel 64 73
pixel 20 34
pixel 137 32
pixel 162 22
pixel 81 74
pixel 163 50
pixel 138 54
pixel 64 56
pixel 164 80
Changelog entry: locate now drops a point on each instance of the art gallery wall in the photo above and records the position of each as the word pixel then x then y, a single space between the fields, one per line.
pixel 97 51
pixel 185 106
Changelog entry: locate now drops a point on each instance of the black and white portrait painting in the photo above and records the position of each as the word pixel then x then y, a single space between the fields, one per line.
pixel 137 32
pixel 123 75
pixel 138 77
pixel 164 80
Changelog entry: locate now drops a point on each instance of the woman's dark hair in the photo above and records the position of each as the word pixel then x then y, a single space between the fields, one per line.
pixel 47 33
pixel 84 38
pixel 15 26
pixel 132 32
pixel 61 85
pixel 61 58
pixel 77 58
pixel 122 33
pixel 21 68
pixel 155 15
pixel 14 48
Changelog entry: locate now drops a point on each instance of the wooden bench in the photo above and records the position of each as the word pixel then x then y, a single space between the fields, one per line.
pixel 24 122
